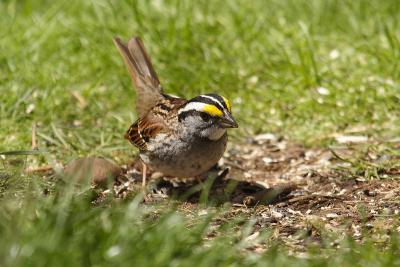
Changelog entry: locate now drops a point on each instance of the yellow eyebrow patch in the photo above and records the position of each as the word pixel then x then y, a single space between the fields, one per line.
pixel 228 104
pixel 212 110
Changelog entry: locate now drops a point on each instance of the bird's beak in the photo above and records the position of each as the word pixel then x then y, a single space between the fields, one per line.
pixel 227 121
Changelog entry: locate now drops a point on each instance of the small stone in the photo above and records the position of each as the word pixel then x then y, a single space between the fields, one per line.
pixel 99 170
pixel 370 193
pixel 331 215
pixel 360 179
pixel 267 160
pixel 266 137
pixel 276 214
pixel 322 91
pixel 156 175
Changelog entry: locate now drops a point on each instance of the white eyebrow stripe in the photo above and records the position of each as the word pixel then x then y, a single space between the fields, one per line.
pixel 215 100
pixel 193 106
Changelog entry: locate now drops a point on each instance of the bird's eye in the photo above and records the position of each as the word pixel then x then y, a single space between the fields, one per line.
pixel 205 116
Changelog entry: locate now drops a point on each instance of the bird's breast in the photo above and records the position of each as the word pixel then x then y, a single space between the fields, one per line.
pixel 183 158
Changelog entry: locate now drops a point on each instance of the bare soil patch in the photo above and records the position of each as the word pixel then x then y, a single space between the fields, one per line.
pixel 303 195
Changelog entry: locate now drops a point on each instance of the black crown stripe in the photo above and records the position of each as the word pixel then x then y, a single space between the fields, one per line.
pixel 220 99
pixel 205 100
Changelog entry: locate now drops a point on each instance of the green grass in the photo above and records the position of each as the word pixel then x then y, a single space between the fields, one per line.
pixel 271 58
pixel 65 229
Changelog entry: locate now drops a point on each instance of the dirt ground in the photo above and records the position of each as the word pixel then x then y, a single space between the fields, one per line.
pixel 302 195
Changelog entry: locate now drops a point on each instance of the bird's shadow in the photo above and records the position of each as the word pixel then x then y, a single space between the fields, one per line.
pixel 217 190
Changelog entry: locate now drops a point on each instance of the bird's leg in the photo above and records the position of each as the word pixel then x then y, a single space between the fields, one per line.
pixel 144 175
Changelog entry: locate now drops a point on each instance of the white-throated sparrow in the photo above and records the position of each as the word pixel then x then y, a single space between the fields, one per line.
pixel 175 136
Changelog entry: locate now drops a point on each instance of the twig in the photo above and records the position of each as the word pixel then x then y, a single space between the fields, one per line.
pixel 233 164
pixel 306 197
pixel 40 169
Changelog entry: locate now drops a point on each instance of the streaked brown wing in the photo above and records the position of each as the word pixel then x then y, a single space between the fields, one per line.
pixel 133 135
pixel 144 77
pixel 140 133
pixel 146 128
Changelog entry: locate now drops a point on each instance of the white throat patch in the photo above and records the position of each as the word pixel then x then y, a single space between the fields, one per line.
pixel 214 134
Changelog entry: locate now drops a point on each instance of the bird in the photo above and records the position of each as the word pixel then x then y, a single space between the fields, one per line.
pixel 178 137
